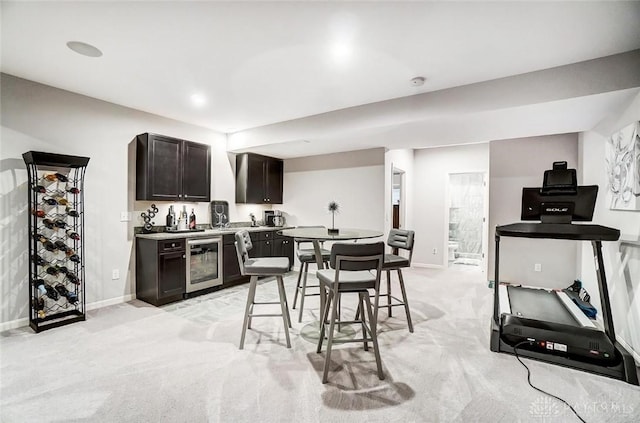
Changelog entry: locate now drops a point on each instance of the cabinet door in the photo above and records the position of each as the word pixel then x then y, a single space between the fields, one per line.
pixel 172 269
pixel 164 168
pixel 231 268
pixel 273 169
pixel 283 247
pixel 196 171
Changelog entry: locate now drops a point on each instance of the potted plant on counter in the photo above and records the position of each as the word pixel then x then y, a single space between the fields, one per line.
pixel 333 208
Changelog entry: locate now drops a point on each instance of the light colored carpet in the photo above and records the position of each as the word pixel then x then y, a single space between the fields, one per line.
pixel 180 363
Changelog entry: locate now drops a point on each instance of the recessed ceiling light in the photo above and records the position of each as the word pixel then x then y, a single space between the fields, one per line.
pixel 418 81
pixel 84 49
pixel 198 100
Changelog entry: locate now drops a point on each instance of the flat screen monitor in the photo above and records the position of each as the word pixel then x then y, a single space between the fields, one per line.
pixel 563 208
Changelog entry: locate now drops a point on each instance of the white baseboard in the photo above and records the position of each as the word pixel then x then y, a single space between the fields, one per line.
pixel 110 301
pixel 14 324
pixel 18 323
pixel 428 266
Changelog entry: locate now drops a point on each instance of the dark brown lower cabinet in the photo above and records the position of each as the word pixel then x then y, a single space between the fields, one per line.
pixel 160 270
pixel 230 266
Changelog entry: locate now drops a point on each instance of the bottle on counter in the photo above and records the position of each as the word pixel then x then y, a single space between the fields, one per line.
pixel 192 220
pixel 170 216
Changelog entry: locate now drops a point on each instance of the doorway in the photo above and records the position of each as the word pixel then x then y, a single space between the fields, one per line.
pixel 466 221
pixel 397 198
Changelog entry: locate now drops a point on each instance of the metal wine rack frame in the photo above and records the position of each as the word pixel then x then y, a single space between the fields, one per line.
pixel 44 311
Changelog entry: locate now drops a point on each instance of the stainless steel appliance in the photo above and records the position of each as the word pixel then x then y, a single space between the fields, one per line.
pixel 273 218
pixel 204 263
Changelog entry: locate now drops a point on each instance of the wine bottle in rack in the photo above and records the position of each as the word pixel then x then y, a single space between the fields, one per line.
pixel 60 177
pixel 38 213
pixel 39 284
pixel 72 212
pixel 38 306
pixel 62 201
pixel 51 270
pixel 64 292
pixel 49 246
pixel 72 234
pixel 39 189
pixel 72 278
pixel 75 258
pixel 39 260
pixel 73 190
pixel 62 269
pixel 51 293
pixel 51 177
pixel 48 223
pixel 59 223
pixel 50 201
pixel 61 245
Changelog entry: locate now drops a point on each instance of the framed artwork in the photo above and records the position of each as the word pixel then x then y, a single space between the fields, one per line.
pixel 623 168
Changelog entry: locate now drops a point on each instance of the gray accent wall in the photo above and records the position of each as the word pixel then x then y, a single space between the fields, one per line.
pixel 515 164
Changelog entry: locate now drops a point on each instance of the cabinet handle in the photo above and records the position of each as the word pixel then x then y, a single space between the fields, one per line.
pixel 184 256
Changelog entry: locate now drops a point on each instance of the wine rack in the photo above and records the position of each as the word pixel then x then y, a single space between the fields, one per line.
pixel 56 239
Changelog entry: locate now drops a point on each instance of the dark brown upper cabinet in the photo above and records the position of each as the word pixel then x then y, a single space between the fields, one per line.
pixel 170 169
pixel 258 179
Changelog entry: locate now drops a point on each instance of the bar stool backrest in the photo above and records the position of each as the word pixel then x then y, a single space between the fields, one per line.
pixel 357 256
pixel 243 246
pixel 401 238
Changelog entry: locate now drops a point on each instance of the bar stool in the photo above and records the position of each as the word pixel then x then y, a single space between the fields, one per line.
pixel 356 269
pixel 261 266
pixel 306 256
pixel 398 239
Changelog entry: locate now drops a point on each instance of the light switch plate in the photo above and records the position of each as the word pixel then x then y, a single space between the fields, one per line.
pixel 115 274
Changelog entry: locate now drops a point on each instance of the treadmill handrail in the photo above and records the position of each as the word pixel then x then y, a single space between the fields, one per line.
pixel 571 231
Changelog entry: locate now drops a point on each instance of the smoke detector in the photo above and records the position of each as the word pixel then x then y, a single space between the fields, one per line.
pixel 418 81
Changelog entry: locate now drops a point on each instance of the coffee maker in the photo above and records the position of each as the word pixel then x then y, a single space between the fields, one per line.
pixel 273 218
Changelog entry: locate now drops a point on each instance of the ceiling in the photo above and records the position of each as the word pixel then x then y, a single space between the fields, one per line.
pixel 263 63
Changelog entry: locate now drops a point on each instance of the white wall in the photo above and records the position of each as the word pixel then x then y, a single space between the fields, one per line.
pixel 355 180
pixel 43 118
pixel 430 181
pixel 622 261
pixel 521 163
pixel 399 159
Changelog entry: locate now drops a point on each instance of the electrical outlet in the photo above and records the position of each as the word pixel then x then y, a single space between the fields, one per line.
pixel 115 274
pixel 537 267
pixel 435 251
pixel 125 216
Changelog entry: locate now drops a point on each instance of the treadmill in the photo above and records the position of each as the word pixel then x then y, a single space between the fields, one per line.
pixel 544 324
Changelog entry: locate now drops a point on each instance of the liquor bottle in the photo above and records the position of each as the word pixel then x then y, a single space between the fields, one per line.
pixel 74 258
pixel 192 220
pixel 170 217
pixel 59 223
pixel 72 212
pixel 73 235
pixel 39 213
pixel 73 190
pixel 50 201
pixel 39 188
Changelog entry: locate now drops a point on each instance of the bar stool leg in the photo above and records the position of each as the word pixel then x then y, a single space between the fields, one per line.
pixel 248 309
pixel 285 309
pixel 362 320
pixel 404 299
pixel 295 295
pixel 374 337
pixel 334 316
pixel 303 289
pixel 389 293
pixel 323 320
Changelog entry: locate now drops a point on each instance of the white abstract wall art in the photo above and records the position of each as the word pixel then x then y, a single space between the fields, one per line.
pixel 623 168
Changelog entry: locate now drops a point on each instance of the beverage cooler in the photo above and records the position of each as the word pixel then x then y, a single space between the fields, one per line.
pixel 56 239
